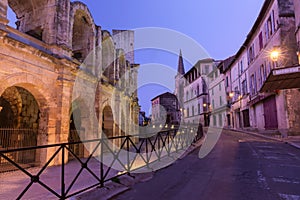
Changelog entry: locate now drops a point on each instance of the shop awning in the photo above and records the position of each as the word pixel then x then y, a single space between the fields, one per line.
pixel 282 78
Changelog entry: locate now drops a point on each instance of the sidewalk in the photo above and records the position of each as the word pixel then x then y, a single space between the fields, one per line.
pixel 14 182
pixel 291 140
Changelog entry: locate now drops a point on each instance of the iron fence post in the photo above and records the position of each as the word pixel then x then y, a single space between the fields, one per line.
pixel 63 195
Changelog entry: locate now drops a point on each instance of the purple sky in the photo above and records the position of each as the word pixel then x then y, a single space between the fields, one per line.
pixel 219 26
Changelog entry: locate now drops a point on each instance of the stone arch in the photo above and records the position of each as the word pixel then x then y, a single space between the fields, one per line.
pixel 44 99
pixel 32 16
pixel 82 31
pixel 108 121
pixel 47 107
pixel 31 83
pixel 108 56
pixel 76 129
pixel 24 130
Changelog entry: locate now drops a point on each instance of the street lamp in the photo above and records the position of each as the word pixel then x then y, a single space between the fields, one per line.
pixel 274 55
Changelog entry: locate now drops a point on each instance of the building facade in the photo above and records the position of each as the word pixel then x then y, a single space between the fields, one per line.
pixel 42 61
pixel 165 109
pixel 297 21
pixel 217 96
pixel 263 80
pixel 191 88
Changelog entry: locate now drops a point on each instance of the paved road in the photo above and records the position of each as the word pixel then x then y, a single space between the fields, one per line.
pixel 240 167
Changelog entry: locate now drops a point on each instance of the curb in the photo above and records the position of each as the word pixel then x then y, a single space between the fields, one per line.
pixel 293 144
pixel 262 136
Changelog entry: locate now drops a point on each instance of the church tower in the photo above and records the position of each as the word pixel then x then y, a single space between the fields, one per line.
pixel 179 81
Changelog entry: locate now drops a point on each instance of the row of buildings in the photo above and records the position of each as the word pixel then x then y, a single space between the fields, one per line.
pixel 48 93
pixel 257 88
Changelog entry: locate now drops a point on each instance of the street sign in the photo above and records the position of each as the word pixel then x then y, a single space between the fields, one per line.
pixel 286 71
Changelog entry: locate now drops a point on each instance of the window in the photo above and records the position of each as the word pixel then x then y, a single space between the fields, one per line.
pixel 263 72
pixel 198 90
pixel 244 87
pixel 251 54
pixel 220 87
pixel 187 95
pixel 221 101
pixel 227 81
pixel 215 120
pixel 241 67
pixel 236 92
pixel 193 111
pixel 253 86
pixel 187 112
pixel 199 109
pixel 220 120
pixel 270 26
pixel 204 88
pixel 206 69
pixel 212 91
pixel 261 43
pixel 213 104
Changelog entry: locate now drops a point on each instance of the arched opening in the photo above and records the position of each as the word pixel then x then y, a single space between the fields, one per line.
pixel 108 121
pixel 26 17
pixel 82 36
pixel 19 124
pixel 108 58
pixel 11 16
pixel 74 135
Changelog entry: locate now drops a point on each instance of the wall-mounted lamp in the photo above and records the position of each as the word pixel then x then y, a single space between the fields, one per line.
pixel 1 108
pixel 275 53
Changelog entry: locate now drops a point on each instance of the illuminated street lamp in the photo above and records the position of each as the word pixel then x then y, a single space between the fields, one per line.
pixel 275 55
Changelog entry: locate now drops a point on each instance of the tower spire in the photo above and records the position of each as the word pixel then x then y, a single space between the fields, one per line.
pixel 180 69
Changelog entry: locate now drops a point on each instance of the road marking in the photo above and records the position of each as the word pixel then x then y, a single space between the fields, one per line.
pixel 262 180
pixel 254 153
pixel 285 165
pixel 285 180
pixel 273 158
pixel 265 147
pixel 289 196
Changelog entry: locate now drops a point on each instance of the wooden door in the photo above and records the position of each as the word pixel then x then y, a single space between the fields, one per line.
pixel 270 113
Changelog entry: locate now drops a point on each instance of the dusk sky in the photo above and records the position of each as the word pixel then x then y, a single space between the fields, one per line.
pixel 219 26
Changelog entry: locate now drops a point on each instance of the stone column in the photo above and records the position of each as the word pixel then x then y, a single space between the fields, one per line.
pixel 3 12
pixel 3 18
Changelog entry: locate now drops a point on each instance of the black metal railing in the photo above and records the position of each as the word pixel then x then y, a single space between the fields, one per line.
pixel 12 138
pixel 108 159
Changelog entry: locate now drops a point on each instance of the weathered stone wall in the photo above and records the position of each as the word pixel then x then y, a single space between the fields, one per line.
pixel 30 111
pixel 45 70
pixel 292 105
